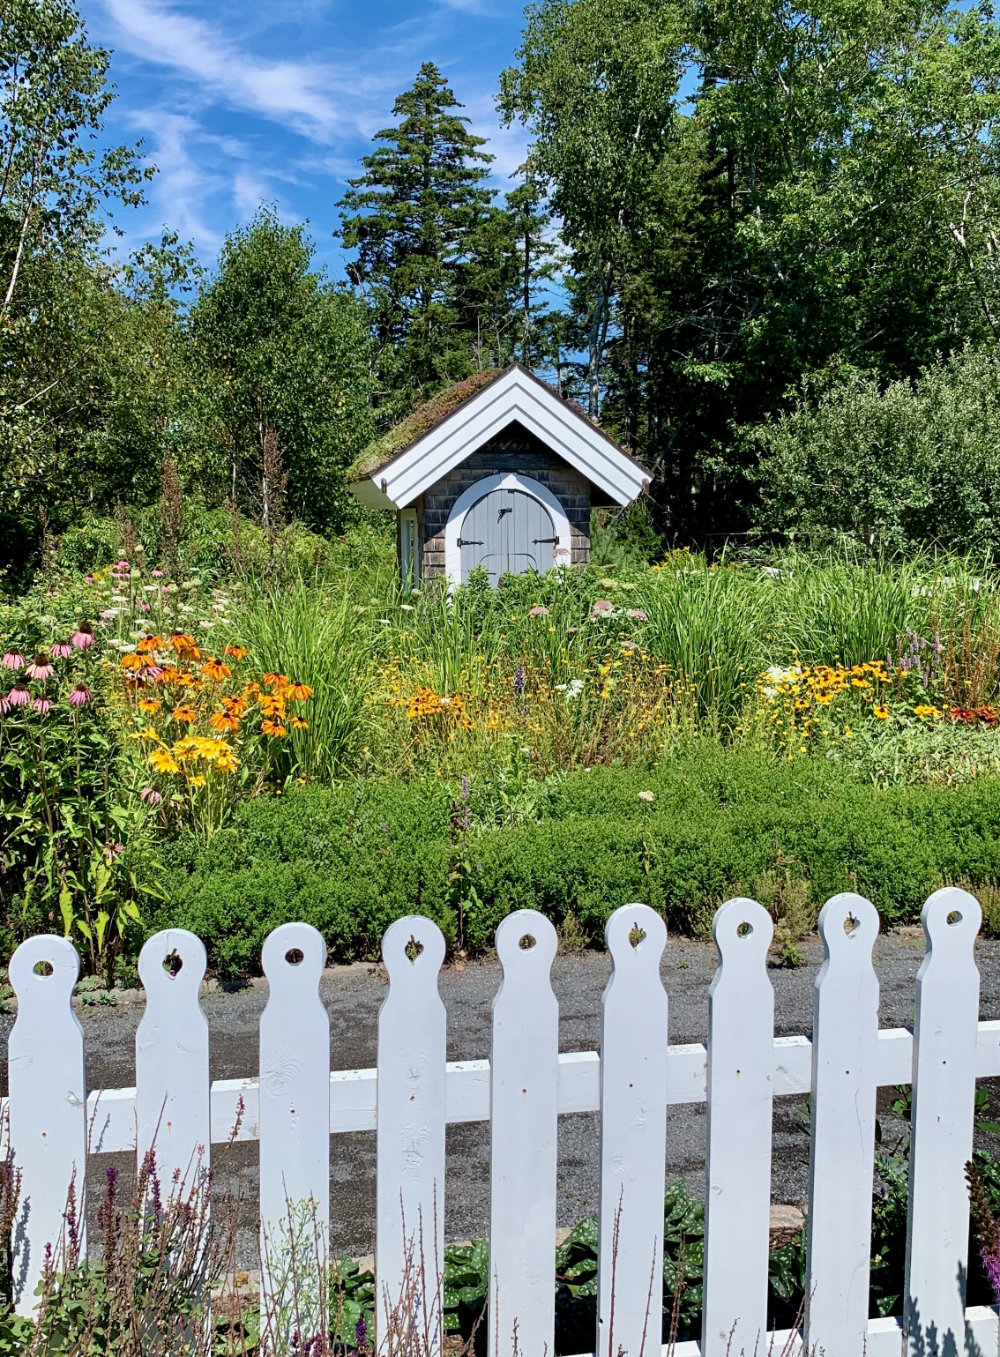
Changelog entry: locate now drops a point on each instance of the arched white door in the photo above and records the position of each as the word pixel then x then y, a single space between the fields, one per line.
pixel 509 532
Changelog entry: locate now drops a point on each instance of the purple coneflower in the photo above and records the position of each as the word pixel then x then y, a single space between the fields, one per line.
pixel 18 695
pixel 80 696
pixel 13 660
pixel 88 579
pixel 141 604
pixel 152 672
pixel 40 669
pixel 42 705
pixel 83 637
pixel 112 851
pixel 151 796
pixel 62 650
pixel 157 574
pixel 121 568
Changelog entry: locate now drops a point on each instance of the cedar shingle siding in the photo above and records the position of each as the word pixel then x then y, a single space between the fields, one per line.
pixel 515 449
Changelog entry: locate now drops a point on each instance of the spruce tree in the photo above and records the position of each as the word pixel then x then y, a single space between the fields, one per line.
pixel 414 216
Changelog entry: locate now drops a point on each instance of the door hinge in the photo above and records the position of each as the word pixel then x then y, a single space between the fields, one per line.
pixel 539 540
pixel 464 542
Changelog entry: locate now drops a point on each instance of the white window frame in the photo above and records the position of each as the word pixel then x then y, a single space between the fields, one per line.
pixel 509 480
pixel 409 548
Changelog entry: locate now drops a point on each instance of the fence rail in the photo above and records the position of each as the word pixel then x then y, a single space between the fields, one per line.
pixel 298 1102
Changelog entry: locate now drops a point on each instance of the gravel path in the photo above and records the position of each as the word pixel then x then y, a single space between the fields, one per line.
pixel 352 995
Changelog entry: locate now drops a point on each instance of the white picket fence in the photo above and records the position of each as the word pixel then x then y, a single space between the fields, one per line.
pixel 297 1102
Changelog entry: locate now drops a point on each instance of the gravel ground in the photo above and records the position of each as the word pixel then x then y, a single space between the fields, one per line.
pixel 352 995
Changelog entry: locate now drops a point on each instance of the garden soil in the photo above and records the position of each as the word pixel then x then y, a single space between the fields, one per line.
pixel 352 995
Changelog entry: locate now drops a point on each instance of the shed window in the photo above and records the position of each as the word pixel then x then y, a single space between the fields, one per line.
pixel 409 548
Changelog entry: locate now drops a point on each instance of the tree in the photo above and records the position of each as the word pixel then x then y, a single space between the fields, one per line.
pixel 277 363
pixel 414 218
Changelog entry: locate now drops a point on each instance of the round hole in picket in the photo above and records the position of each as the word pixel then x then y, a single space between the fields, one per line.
pixel 636 935
pixel 43 968
pixel 744 930
pixel 526 943
pixel 851 925
pixel 955 917
pixel 173 964
pixel 413 948
pixel 295 956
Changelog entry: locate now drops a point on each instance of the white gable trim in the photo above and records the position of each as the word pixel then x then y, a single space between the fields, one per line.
pixel 514 396
pixel 508 481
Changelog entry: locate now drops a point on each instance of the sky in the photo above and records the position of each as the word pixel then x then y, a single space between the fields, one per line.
pixel 243 101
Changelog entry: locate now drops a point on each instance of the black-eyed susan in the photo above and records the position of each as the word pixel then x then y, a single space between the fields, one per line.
pixel 274 729
pixel 880 711
pixel 236 652
pixel 215 670
pixel 185 712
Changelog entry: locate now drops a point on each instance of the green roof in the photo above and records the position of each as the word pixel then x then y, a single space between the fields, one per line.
pixel 417 423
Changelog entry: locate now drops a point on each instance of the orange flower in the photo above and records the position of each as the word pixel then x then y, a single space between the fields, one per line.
pixel 223 722
pixel 133 660
pixel 272 728
pixel 299 691
pixel 299 724
pixel 185 712
pixel 274 680
pixel 180 641
pixel 236 652
pixel 215 669
pixel 148 644
pixel 149 705
pixel 234 706
pixel 273 705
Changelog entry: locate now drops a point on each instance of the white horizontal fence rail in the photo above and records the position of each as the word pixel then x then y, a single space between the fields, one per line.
pixel 414 1093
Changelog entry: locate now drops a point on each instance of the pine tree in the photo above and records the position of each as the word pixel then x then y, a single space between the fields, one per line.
pixel 413 217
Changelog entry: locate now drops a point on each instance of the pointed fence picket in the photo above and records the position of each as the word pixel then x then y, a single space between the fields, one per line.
pixel 297 1103
pixel 738 1159
pixel 524 1116
pixel 409 1205
pixel 844 1080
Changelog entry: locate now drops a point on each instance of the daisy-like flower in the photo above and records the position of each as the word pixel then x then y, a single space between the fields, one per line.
pixel 18 695
pixel 157 574
pixel 81 696
pixel 162 761
pixel 236 652
pixel 299 724
pixel 273 728
pixel 83 637
pixel 880 712
pixel 185 712
pixel 299 691
pixel 151 796
pixel 13 660
pixel 42 705
pixel 4 704
pixel 62 650
pixel 224 722
pixel 40 669
pixel 214 669
pixel 149 705
pixel 197 780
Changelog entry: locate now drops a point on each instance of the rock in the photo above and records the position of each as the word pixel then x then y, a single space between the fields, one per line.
pixel 786 1222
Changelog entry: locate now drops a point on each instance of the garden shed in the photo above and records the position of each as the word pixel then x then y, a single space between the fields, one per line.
pixel 497 471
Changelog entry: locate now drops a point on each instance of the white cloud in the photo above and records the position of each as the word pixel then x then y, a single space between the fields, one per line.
pixel 293 93
pixel 185 180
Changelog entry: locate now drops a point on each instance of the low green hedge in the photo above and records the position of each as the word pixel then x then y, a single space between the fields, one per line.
pixel 353 858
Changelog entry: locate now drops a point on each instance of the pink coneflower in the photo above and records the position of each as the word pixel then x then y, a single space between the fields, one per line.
pixel 157 574
pixel 13 660
pixel 112 851
pixel 83 637
pixel 62 650
pixel 88 579
pixel 151 796
pixel 42 705
pixel 153 673
pixel 142 605
pixel 41 669
pixel 80 696
pixel 121 568
pixel 18 695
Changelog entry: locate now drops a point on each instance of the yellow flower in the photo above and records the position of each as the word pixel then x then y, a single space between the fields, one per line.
pixel 162 761
pixel 235 652
pixel 924 710
pixel 299 724
pixel 299 691
pixel 149 705
pixel 224 722
pixel 215 669
pixel 880 712
pixel 196 781
pixel 274 729
pixel 185 712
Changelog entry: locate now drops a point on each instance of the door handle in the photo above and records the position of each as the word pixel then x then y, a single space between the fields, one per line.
pixel 537 541
pixel 465 542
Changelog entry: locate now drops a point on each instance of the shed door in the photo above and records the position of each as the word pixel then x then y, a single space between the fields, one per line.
pixel 509 533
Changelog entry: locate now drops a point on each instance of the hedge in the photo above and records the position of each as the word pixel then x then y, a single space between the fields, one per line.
pixel 352 858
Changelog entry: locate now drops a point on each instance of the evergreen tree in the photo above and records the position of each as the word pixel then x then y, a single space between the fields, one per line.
pixel 414 217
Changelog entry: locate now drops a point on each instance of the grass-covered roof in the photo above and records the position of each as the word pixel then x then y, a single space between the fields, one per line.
pixel 417 423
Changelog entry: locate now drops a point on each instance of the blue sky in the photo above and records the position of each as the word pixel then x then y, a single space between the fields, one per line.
pixel 239 102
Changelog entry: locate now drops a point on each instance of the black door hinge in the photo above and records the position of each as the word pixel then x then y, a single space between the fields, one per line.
pixel 464 542
pixel 539 540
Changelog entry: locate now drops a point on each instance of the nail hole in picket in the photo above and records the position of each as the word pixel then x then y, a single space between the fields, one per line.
pixel 636 935
pixel 295 956
pixel 172 964
pixel 526 943
pixel 955 917
pixel 43 968
pixel 851 925
pixel 413 948
pixel 744 930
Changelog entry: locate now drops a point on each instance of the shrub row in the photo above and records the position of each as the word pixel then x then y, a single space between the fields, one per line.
pixel 352 858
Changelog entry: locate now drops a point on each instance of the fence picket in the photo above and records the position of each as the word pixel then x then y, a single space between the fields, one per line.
pixel 633 1136
pixel 171 1061
pixel 409 1207
pixel 738 1160
pixel 294 1130
pixel 844 1055
pixel 48 1109
pixel 523 1134
pixel 941 1128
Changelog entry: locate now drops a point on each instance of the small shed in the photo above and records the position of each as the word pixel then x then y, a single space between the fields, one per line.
pixel 497 471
